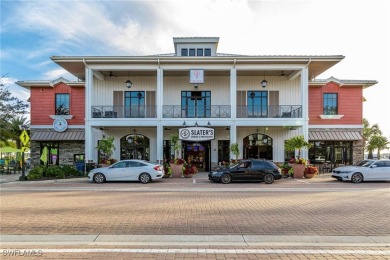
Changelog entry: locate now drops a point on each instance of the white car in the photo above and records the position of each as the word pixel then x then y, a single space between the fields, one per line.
pixel 367 170
pixel 127 170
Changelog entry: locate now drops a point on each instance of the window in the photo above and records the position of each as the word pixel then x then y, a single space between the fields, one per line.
pixel 257 103
pixel 135 104
pixel 49 152
pixel 199 52
pixel 192 52
pixel 196 104
pixel 184 52
pixel 207 52
pixel 330 104
pixel 62 104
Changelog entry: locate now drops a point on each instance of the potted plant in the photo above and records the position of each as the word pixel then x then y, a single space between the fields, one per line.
pixel 234 149
pixel 189 170
pixel 177 163
pixel 106 146
pixel 310 171
pixel 167 170
pixel 297 143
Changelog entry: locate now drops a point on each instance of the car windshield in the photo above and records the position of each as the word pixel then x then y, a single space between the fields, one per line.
pixel 364 163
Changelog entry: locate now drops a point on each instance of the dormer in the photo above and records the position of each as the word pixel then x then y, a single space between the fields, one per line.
pixel 195 46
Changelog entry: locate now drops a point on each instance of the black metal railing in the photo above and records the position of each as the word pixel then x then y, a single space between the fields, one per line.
pixel 142 111
pixel 285 111
pixel 212 111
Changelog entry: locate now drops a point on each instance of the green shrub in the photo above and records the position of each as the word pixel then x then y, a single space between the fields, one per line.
pixel 69 170
pixel 36 173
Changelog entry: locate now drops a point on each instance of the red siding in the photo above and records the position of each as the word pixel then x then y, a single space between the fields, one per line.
pixel 349 102
pixel 43 104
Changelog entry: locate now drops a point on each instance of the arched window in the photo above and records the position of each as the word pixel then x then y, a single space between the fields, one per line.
pixel 135 146
pixel 258 146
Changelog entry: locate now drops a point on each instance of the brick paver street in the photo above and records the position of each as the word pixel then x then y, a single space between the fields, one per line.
pixel 318 207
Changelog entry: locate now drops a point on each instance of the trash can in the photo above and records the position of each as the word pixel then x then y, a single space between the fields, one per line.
pixel 80 166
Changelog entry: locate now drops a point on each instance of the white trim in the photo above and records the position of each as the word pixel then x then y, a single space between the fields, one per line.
pixel 331 116
pixel 335 126
pixel 50 127
pixel 61 116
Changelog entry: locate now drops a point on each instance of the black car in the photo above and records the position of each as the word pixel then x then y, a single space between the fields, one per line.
pixel 248 170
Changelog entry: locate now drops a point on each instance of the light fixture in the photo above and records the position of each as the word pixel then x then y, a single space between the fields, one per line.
pixel 252 95
pixel 265 139
pixel 282 74
pixel 184 123
pixel 139 95
pixel 128 82
pixel 196 86
pixel 227 128
pixel 264 82
pixel 208 123
pixel 196 124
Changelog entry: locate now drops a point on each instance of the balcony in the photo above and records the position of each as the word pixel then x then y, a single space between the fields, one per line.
pixel 269 111
pixel 177 111
pixel 142 111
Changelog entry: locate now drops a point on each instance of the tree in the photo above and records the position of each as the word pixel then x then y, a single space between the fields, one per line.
pixel 234 149
pixel 175 143
pixel 368 133
pixel 378 142
pixel 297 143
pixel 10 107
pixel 13 128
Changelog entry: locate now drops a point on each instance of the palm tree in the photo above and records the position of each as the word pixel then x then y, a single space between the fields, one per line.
pixel 368 133
pixel 378 142
pixel 14 130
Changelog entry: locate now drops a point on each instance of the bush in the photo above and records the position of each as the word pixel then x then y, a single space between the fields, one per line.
pixel 36 173
pixel 70 171
pixel 53 172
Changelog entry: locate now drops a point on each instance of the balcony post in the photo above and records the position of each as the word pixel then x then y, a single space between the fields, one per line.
pixel 88 131
pixel 305 106
pixel 233 92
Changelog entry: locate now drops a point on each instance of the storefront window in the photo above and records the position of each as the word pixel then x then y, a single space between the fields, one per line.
pixel 335 152
pixel 49 154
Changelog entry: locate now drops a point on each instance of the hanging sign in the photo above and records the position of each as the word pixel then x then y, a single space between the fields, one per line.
pixel 196 76
pixel 196 134
pixel 60 124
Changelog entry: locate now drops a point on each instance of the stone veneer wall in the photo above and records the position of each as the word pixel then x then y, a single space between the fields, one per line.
pixel 357 146
pixel 66 151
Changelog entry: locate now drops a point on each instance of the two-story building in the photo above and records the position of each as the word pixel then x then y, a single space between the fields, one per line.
pixel 255 101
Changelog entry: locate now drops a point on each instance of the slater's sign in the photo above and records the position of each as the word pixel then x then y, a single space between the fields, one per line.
pixel 196 134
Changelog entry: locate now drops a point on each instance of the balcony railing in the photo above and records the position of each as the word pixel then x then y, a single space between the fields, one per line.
pixel 269 111
pixel 142 111
pixel 177 111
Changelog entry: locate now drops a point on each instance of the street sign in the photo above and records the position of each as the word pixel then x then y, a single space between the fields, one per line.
pixel 24 149
pixel 24 137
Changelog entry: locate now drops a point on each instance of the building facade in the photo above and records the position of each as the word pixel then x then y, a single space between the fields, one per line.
pixel 257 102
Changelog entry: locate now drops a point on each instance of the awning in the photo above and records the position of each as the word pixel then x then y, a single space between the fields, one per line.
pixel 69 135
pixel 334 136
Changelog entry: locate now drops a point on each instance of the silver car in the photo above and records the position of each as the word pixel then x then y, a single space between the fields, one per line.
pixel 127 170
pixel 367 170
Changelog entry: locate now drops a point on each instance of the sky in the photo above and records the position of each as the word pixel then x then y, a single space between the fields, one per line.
pixel 33 31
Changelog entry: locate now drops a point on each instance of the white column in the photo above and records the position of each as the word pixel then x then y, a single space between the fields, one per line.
pixel 159 93
pixel 233 139
pixel 89 147
pixel 160 145
pixel 233 93
pixel 305 107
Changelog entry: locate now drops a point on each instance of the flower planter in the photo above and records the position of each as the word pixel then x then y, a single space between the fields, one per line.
pixel 190 175
pixel 309 175
pixel 299 170
pixel 176 170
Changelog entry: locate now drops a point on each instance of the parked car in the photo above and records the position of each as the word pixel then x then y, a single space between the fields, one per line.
pixel 127 170
pixel 248 170
pixel 319 159
pixel 366 170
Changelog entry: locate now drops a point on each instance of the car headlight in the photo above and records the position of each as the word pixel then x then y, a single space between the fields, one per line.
pixel 345 171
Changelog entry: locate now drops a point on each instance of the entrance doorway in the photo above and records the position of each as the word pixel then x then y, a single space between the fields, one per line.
pixel 258 146
pixel 197 154
pixel 135 146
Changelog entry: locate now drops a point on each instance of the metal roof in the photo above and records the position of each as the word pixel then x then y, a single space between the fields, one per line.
pixel 334 135
pixel 51 135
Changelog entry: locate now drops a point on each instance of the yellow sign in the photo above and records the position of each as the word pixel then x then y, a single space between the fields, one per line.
pixel 24 149
pixel 24 137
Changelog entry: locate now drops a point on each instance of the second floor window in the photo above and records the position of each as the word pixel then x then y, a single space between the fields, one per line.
pixel 330 104
pixel 192 52
pixel 62 104
pixel 257 103
pixel 196 104
pixel 135 104
pixel 184 52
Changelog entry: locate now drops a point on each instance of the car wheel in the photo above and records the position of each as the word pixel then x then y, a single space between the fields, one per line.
pixel 269 178
pixel 99 178
pixel 357 177
pixel 226 178
pixel 145 178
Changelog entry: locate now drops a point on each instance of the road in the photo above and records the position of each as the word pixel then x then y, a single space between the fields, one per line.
pixel 194 218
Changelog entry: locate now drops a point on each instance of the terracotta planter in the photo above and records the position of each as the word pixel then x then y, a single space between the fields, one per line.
pixel 190 175
pixel 176 170
pixel 299 170
pixel 309 175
